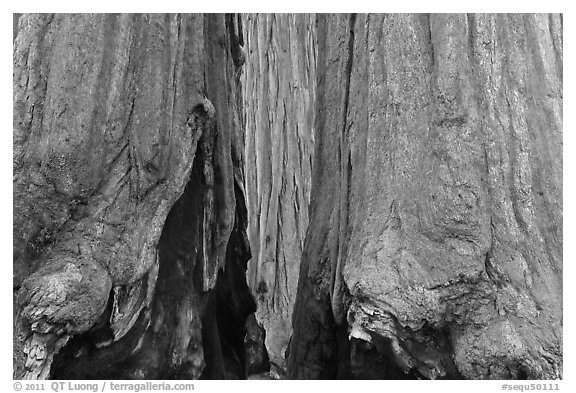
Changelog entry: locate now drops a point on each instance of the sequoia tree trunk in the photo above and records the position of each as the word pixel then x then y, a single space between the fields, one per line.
pixel 435 241
pixel 279 90
pixel 403 195
pixel 130 243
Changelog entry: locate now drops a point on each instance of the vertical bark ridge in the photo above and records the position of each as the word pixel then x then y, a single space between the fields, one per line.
pixel 279 94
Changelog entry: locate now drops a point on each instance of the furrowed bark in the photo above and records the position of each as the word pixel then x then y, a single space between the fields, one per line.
pixel 128 184
pixel 435 238
pixel 331 196
pixel 279 91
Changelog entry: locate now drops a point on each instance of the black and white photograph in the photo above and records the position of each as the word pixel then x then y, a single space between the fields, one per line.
pixel 287 196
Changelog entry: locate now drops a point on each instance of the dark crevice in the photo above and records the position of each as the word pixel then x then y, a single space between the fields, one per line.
pixel 233 301
pixel 368 361
pixel 430 40
pixel 348 74
pixel 234 29
pixel 257 359
pixel 212 323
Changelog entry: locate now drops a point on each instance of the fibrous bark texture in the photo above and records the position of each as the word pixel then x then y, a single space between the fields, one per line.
pixel 279 90
pixel 130 243
pixel 435 237
pixel 400 216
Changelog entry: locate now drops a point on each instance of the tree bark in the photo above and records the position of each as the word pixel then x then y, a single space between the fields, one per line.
pixel 279 90
pixel 130 243
pixel 404 170
pixel 435 237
